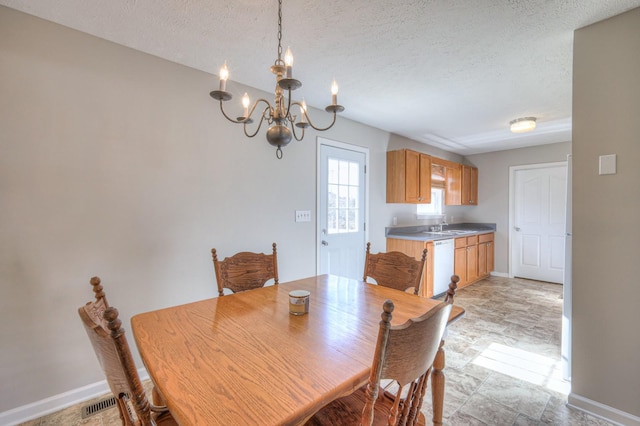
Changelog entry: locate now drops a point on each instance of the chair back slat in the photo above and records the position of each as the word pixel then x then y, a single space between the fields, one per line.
pixel 245 270
pixel 110 345
pixel 394 269
pixel 405 353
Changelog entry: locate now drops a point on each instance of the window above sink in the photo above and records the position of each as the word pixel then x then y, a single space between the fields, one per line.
pixel 433 209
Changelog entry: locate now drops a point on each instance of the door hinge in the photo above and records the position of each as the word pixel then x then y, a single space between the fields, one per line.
pixel 364 226
pixel 365 169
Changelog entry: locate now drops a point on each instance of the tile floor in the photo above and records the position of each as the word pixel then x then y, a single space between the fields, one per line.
pixel 502 362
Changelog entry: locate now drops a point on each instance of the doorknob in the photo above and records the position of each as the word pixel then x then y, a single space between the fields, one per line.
pixel 516 228
pixel 324 243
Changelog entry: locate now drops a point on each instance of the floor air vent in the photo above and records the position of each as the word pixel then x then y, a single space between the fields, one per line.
pixel 96 407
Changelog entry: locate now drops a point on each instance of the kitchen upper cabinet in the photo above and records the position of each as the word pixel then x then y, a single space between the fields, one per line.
pixel 469 186
pixel 452 180
pixel 453 186
pixel 408 177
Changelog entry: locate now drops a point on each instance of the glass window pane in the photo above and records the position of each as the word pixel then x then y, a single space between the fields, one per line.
pixel 353 174
pixel 353 197
pixel 332 221
pixel 344 172
pixel 343 196
pixel 332 170
pixel 342 220
pixel 353 220
pixel 332 196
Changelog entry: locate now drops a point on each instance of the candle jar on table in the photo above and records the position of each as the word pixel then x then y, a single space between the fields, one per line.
pixel 299 302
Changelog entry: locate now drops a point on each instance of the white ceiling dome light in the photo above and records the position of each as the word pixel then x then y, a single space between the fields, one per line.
pixel 522 125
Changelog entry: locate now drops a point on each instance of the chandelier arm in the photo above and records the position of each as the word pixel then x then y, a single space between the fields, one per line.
pixel 255 105
pixel 248 117
pixel 295 135
pixel 263 117
pixel 319 128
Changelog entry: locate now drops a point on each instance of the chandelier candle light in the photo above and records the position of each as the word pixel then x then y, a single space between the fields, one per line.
pixel 279 115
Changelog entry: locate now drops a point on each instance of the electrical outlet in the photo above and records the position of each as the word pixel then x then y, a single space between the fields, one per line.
pixel 303 216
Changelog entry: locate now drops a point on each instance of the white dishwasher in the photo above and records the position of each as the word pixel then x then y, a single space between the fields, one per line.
pixel 443 254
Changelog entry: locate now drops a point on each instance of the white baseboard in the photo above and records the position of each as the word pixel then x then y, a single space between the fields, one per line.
pixel 605 412
pixel 499 274
pixel 58 402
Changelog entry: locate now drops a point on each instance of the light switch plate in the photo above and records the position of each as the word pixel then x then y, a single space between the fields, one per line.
pixel 608 164
pixel 303 216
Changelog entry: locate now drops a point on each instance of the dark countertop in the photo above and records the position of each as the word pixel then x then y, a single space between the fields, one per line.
pixel 423 233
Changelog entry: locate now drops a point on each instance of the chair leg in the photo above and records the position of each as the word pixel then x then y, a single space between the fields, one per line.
pixel 437 385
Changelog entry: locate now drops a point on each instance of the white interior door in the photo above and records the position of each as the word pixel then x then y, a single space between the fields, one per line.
pixel 538 226
pixel 341 210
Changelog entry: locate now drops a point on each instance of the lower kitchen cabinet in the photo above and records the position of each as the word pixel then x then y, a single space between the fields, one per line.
pixel 485 254
pixel 414 249
pixel 473 258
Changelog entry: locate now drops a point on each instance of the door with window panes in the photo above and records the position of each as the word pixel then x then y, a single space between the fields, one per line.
pixel 341 212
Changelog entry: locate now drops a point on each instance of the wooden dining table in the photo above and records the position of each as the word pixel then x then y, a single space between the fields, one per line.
pixel 244 359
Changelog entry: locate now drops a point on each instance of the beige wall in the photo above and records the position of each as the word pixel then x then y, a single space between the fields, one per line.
pixel 118 164
pixel 606 231
pixel 493 189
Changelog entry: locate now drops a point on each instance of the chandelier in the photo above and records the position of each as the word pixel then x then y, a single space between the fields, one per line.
pixel 282 123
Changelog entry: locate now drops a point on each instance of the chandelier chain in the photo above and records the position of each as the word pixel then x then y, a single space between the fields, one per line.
pixel 279 61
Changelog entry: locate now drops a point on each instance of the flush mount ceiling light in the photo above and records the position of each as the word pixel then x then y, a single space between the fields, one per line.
pixel 279 116
pixel 522 125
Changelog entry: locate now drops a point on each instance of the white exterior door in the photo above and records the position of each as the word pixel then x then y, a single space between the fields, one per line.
pixel 341 210
pixel 538 225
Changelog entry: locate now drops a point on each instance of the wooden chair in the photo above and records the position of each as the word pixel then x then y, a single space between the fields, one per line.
pixel 394 269
pixel 404 353
pixel 245 270
pixel 110 345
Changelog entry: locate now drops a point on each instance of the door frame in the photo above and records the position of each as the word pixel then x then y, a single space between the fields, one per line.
pixel 512 204
pixel 340 145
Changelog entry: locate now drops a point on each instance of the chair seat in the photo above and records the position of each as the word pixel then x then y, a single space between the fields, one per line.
pixel 348 410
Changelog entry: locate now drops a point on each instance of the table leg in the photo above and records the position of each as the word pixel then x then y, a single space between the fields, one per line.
pixel 437 385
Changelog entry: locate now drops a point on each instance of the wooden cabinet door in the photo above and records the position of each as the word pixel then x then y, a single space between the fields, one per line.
pixel 412 176
pixel 482 259
pixel 472 263
pixel 460 264
pixel 469 185
pixel 473 187
pixel 453 186
pixel 485 255
pixel 408 177
pixel 424 193
pixel 490 257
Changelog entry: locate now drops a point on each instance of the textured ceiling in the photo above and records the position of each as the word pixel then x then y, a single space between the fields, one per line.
pixel 451 73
